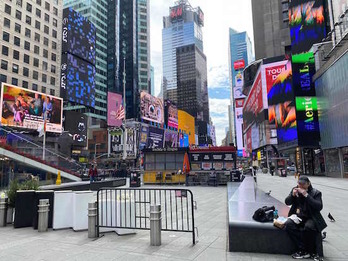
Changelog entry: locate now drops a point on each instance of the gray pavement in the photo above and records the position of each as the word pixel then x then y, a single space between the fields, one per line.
pixel 211 219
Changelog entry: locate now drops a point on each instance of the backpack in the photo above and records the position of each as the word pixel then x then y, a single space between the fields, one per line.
pixel 264 214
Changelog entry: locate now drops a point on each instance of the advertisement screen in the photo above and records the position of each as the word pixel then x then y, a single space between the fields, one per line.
pixel 253 105
pixel 307 24
pixel 77 81
pixel 155 138
pixel 171 114
pixel 303 69
pixel 115 109
pixel 76 125
pixel 116 141
pixel 151 108
pixel 171 139
pixel 281 106
pixel 239 127
pixel 271 72
pixel 78 36
pixel 239 64
pixel 132 142
pixel 176 12
pixel 239 79
pixel 200 16
pixel 238 93
pixel 187 125
pixel 144 133
pixel 307 121
pixel 25 108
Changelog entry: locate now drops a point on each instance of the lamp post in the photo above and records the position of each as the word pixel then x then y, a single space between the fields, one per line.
pixel 95 152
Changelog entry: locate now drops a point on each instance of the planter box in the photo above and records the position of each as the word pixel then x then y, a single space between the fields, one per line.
pixel 80 209
pixel 62 211
pixel 25 210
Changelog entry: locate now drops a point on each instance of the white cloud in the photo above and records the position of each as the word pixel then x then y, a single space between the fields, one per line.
pixel 218 77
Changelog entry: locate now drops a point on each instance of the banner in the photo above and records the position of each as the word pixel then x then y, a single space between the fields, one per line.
pixel 115 109
pixel 25 108
pixel 76 125
pixel 155 138
pixel 116 141
pixel 151 108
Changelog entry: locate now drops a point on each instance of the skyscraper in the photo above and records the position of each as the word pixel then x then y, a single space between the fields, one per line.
pixel 30 44
pixel 271 27
pixel 97 13
pixel 240 55
pixel 182 27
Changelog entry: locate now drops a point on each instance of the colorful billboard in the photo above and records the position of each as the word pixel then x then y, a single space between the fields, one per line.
pixel 303 68
pixel 281 106
pixel 171 139
pixel 238 93
pixel 307 24
pixel 115 109
pixel 155 138
pixel 171 114
pixel 151 108
pixel 144 133
pixel 176 12
pixel 307 121
pixel 239 127
pixel 271 72
pixel 76 125
pixel 116 141
pixel 239 79
pixel 239 64
pixel 187 125
pixel 25 108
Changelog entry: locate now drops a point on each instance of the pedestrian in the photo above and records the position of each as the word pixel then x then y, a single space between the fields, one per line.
pixel 305 222
pixel 91 174
pixel 95 173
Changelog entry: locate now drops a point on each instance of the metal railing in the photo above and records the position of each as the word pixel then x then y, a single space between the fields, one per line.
pixel 123 208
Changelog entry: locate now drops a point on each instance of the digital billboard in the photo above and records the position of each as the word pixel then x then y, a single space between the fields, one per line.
pixel 151 108
pixel 187 125
pixel 171 114
pixel 307 121
pixel 115 109
pixel 77 81
pixel 144 133
pixel 239 79
pixel 238 93
pixel 271 72
pixel 239 127
pixel 116 141
pixel 176 12
pixel 303 69
pixel 239 64
pixel 171 139
pixel 78 36
pixel 155 138
pixel 76 125
pixel 307 24
pixel 200 16
pixel 25 108
pixel 281 106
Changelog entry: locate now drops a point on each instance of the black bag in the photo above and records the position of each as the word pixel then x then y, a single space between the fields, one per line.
pixel 264 214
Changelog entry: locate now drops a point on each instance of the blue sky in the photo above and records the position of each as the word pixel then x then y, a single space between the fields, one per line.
pixel 219 15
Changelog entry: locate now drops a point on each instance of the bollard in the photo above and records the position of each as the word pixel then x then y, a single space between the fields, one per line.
pixel 3 212
pixel 43 215
pixel 92 220
pixel 155 225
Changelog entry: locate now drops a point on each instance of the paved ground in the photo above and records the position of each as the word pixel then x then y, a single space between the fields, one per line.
pixel 211 218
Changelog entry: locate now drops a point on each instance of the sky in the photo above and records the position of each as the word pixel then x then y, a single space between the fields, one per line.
pixel 219 16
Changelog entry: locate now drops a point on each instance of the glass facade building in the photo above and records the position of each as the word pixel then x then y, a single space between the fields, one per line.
pixel 182 27
pixel 97 13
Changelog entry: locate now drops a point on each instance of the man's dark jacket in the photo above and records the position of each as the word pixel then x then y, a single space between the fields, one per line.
pixel 314 205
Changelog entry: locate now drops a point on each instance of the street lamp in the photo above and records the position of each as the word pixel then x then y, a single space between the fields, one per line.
pixel 95 152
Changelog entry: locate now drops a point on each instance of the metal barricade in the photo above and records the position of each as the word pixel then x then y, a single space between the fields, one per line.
pixel 123 208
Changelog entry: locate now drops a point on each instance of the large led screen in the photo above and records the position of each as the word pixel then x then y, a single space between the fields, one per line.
pixel 151 108
pixel 171 114
pixel 78 36
pixel 115 109
pixel 76 125
pixel 281 106
pixel 303 68
pixel 24 108
pixel 307 24
pixel 77 81
pixel 171 139
pixel 155 138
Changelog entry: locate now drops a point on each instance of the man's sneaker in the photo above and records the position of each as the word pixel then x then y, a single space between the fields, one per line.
pixel 318 258
pixel 301 255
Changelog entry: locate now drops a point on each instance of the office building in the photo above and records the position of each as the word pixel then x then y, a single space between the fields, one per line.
pixel 271 27
pixel 192 84
pixel 152 81
pixel 183 26
pixel 30 44
pixel 97 13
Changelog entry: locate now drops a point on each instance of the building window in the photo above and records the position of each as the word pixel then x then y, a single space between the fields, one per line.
pixel 44 78
pixel 45 53
pixel 45 41
pixel 34 87
pixel 38 2
pixel 55 22
pixel 54 45
pixel 18 15
pixel 47 18
pixel 3 78
pixel 55 11
pixel 37 37
pixel 7 23
pixel 4 65
pixel 36 62
pixel 27 32
pixel 53 69
pixel 26 71
pixel 14 81
pixel 17 28
pixel 6 36
pixel 26 58
pixel 38 12
pixel 26 45
pixel 17 41
pixel 46 29
pixel 35 75
pixel 19 3
pixel 53 81
pixel 52 92
pixel 53 57
pixel 15 55
pixel 15 68
pixel 37 25
pixel 28 20
pixel 36 49
pixel 47 6
pixel 43 89
pixel 29 7
pixel 25 84
pixel 54 33
pixel 8 9
pixel 5 50
pixel 44 66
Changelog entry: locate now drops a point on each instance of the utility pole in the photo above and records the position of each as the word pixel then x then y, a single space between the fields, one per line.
pixel 125 112
pixel 44 137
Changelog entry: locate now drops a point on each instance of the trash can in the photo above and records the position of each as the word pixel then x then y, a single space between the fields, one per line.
pixel 135 179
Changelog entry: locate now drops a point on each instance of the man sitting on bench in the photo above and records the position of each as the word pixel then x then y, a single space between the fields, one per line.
pixel 306 222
